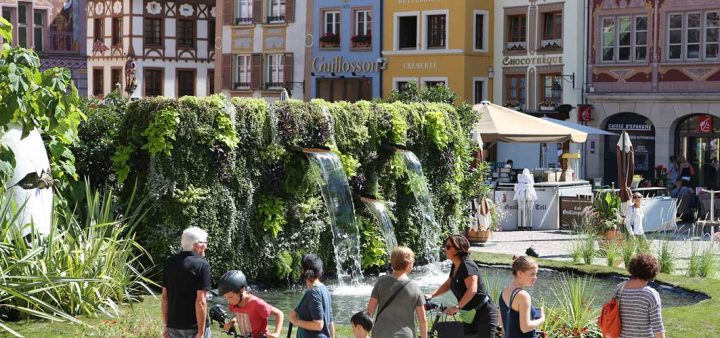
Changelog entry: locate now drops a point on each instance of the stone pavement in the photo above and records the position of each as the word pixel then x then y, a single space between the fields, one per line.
pixel 557 245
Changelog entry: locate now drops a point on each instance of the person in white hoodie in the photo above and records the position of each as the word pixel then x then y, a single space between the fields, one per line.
pixel 634 217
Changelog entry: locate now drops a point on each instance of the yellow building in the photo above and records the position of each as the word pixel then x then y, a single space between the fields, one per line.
pixel 435 42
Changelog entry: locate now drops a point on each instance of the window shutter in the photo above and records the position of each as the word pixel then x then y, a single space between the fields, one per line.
pixel 288 68
pixel 228 12
pixel 257 11
pixel 227 71
pixel 256 68
pixel 289 10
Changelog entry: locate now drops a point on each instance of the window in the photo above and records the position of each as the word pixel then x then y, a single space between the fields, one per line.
pixel 275 71
pixel 242 71
pixel 153 31
pixel 407 32
pixel 186 33
pixel 515 85
pixel 276 11
pixel 436 33
pixel 115 78
pixel 363 23
pixel 116 31
pixel 402 86
pixel 98 82
pixel 153 79
pixel 98 30
pixel 434 83
pixel 693 36
pixel 712 34
pixel 552 30
pixel 38 25
pixel 516 32
pixel 479 91
pixel 211 81
pixel 332 23
pixel 549 96
pixel 244 11
pixel 624 39
pixel 641 38
pixel 9 15
pixel 211 34
pixel 185 83
pixel 22 24
pixel 480 31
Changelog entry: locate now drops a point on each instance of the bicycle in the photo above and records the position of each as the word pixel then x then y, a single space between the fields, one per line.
pixel 437 330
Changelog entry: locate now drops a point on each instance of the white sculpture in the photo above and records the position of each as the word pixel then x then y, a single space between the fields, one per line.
pixel 31 184
pixel 525 196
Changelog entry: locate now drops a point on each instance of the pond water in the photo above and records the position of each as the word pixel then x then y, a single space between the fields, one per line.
pixel 349 299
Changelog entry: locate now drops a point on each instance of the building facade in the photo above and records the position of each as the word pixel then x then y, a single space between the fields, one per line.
pixel 55 30
pixel 263 44
pixel 439 43
pixel 346 46
pixel 151 48
pixel 653 70
pixel 539 68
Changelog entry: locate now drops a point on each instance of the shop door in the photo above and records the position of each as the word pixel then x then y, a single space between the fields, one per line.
pixel 698 140
pixel 344 89
pixel 642 136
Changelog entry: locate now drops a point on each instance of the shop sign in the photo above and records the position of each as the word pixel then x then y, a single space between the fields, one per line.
pixel 545 209
pixel 532 60
pixel 402 2
pixel 340 65
pixel 584 112
pixel 629 126
pixel 705 124
pixel 419 65
pixel 572 210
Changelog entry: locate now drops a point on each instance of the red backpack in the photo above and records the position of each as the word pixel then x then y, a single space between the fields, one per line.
pixel 609 322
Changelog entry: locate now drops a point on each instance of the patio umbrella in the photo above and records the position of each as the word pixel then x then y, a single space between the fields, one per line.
pixel 525 196
pixel 626 165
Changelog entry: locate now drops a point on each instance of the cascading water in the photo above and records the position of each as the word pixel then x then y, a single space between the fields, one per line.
pixel 430 231
pixel 338 199
pixel 378 209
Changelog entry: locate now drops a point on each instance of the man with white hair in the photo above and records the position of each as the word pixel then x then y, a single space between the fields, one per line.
pixel 186 279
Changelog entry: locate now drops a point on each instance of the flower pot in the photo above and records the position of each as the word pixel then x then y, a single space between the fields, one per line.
pixel 480 236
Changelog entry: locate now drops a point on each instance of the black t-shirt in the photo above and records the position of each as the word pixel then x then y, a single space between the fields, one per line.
pixel 185 274
pixel 457 285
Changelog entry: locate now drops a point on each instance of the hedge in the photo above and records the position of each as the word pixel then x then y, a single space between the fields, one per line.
pixel 235 168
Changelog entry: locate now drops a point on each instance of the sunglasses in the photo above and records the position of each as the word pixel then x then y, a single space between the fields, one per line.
pixel 448 247
pixel 202 242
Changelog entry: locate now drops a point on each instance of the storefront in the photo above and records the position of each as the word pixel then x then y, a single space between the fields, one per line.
pixel 697 138
pixel 642 136
pixel 342 79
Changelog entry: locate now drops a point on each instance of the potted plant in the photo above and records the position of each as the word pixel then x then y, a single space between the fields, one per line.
pixel 361 41
pixel 636 181
pixel 487 225
pixel 513 104
pixel 606 214
pixel 548 105
pixel 329 40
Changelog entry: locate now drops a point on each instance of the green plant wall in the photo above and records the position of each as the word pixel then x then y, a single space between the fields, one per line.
pixel 236 169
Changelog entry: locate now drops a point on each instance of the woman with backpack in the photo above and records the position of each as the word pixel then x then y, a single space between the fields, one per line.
pixel 519 317
pixel 396 300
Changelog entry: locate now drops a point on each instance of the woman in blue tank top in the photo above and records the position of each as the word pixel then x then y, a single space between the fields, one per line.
pixel 519 317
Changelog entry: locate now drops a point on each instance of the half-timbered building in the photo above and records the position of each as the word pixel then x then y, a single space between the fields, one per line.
pixel 151 48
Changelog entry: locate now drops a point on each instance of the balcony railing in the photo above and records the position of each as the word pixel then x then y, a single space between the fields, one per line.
pixel 516 45
pixel 241 85
pixel 275 19
pixel 274 85
pixel 551 44
pixel 241 21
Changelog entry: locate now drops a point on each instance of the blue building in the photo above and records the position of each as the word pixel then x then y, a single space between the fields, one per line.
pixel 346 61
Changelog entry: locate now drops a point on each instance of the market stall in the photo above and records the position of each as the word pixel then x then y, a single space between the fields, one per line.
pixel 498 123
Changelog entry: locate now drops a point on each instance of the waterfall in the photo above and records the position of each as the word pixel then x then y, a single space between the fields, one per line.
pixel 272 121
pixel 338 199
pixel 430 230
pixel 378 209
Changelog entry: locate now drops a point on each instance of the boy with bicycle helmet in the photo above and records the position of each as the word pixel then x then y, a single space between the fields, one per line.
pixel 250 312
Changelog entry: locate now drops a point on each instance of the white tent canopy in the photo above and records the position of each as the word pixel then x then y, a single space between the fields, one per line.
pixel 498 123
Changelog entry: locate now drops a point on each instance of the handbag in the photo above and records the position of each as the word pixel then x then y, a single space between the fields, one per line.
pixel 391 299
pixel 610 322
pixel 450 329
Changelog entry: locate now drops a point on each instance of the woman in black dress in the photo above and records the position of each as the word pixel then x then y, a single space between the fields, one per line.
pixel 465 283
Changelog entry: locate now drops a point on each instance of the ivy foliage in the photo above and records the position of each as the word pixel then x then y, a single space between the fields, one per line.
pixel 236 168
pixel 43 100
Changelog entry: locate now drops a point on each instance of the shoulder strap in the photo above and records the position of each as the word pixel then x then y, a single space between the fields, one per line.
pixel 391 299
pixel 512 297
